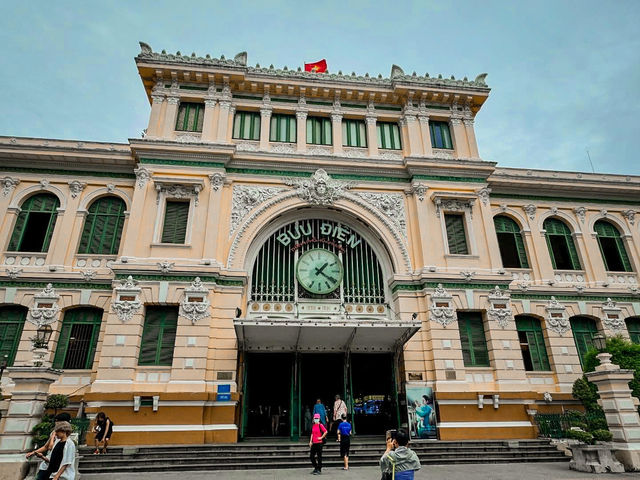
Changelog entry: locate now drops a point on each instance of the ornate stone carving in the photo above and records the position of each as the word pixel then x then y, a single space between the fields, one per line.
pixel 319 150
pixel 178 191
pixel 45 310
pixel 247 146
pixel 13 272
pixel 187 138
pixel 441 309
pixel 630 215
pixel 246 198
pixel 217 180
pixel 283 148
pixel 173 100
pixel 8 184
pixel 142 176
pixel 111 187
pixel 320 189
pixel 467 275
pixel 557 320
pixel 483 194
pixel 446 154
pixel 127 302
pixel 195 303
pixel 612 316
pixel 165 266
pixel 530 210
pixel 88 274
pixel 390 156
pixel 604 212
pixel 500 307
pixel 581 213
pixel 301 114
pixel 391 205
pixel 355 152
pixel 444 204
pixel 76 187
pixel 419 190
pixel 44 183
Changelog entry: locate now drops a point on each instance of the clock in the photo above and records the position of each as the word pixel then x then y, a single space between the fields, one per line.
pixel 319 271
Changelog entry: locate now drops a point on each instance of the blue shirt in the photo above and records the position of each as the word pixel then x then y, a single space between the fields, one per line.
pixel 345 429
pixel 319 408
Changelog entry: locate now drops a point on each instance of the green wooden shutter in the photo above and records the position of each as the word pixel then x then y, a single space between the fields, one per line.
pixel 62 345
pixel 158 336
pixel 11 325
pixel 41 203
pixel 473 340
pixel 440 135
pixel 190 117
pixel 633 326
pixel 456 236
pixel 103 227
pixel 584 329
pixel 535 340
pixel 175 222
pixel 506 225
pixel 553 226
pixel 354 133
pixel 606 230
pixel 83 324
pixel 388 135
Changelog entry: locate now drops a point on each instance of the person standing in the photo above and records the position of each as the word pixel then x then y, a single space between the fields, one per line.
pixel 399 462
pixel 53 439
pixel 339 409
pixel 276 412
pixel 344 437
pixel 61 464
pixel 319 409
pixel 104 430
pixel 307 419
pixel 318 434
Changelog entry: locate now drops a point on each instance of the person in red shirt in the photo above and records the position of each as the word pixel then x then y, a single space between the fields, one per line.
pixel 318 433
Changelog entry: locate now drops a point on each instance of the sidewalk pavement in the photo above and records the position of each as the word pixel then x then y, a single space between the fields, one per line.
pixel 528 471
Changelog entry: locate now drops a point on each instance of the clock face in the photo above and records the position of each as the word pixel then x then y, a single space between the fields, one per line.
pixel 319 271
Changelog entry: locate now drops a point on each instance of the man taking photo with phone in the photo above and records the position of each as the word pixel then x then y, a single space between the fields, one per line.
pixel 398 461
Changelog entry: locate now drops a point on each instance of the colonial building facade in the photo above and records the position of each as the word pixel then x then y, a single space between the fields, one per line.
pixel 278 236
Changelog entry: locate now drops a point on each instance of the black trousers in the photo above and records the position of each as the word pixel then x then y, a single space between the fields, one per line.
pixel 316 451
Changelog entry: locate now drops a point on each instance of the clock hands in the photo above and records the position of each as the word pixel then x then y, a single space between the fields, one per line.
pixel 319 271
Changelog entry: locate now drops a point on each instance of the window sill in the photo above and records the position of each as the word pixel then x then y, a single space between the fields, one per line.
pixel 479 369
pixel 460 255
pixel 174 245
pixel 167 368
pixel 547 373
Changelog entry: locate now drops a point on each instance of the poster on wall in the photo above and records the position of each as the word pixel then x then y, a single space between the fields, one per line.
pixel 422 412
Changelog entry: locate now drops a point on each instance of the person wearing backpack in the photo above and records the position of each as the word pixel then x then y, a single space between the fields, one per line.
pixel 316 442
pixel 399 462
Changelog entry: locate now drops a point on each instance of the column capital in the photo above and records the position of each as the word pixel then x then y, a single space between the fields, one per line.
pixel 423 118
pixel 210 102
pixel 455 121
pixel 468 122
pixel 302 114
pixel 225 103
pixel 266 110
pixel 157 97
pixel 173 100
pixel 371 119
pixel 336 116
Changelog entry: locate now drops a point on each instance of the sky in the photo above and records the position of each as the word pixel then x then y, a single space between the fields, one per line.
pixel 564 74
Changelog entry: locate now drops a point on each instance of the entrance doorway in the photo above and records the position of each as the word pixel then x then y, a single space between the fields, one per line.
pixel 374 396
pixel 268 394
pixel 322 377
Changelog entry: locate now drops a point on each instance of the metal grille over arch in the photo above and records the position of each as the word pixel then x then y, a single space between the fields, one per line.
pixel 274 277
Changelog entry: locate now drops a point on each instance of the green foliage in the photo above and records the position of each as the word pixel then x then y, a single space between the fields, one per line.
pixel 42 430
pixel 56 402
pixel 584 437
pixel 602 435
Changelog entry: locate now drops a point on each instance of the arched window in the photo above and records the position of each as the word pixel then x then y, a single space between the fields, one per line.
pixel 612 247
pixel 633 326
pixel 534 350
pixel 510 242
pixel 103 227
pixel 11 322
pixel 584 329
pixel 34 227
pixel 78 339
pixel 562 250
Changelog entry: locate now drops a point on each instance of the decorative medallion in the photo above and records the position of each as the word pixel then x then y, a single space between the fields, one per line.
pixel 447 204
pixel 217 180
pixel 76 187
pixel 483 194
pixel 195 303
pixel 581 213
pixel 320 189
pixel 127 301
pixel 500 307
pixel 612 316
pixel 441 309
pixel 13 272
pixel 45 310
pixel 178 191
pixel 165 266
pixel 246 198
pixel 419 190
pixel 8 184
pixel 142 176
pixel 467 275
pixel 391 205
pixel 557 320
pixel 630 215
pixel 530 210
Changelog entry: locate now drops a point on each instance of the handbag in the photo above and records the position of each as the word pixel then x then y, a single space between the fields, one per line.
pixel 389 475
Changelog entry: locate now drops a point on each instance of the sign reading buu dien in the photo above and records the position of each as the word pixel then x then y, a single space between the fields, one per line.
pixel 328 229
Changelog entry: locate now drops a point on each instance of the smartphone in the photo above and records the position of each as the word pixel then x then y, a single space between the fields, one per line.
pixel 391 434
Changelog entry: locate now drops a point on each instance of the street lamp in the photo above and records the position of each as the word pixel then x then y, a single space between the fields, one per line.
pixel 600 342
pixel 43 335
pixel 3 365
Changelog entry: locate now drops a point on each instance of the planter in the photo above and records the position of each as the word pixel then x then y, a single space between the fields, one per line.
pixel 594 459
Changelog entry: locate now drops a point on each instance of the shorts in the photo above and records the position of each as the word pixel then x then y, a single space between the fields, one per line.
pixel 345 445
pixel 101 434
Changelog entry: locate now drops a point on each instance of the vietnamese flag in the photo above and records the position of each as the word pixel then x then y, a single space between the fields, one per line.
pixel 317 67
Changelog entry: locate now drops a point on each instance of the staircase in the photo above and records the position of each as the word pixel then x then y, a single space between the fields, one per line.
pixel 273 454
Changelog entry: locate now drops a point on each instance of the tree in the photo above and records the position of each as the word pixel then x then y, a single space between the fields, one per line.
pixel 57 402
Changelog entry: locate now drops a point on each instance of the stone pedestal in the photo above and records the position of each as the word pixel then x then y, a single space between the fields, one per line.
pixel 25 411
pixel 594 459
pixel 620 409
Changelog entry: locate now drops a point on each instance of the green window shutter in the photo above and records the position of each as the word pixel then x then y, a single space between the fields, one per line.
pixel 354 133
pixel 34 227
pixel 440 135
pixel 456 236
pixel 633 326
pixel 510 241
pixel 158 336
pixel 103 227
pixel 11 324
pixel 474 343
pixel 584 329
pixel 560 243
pixel 612 249
pixel 190 117
pixel 175 222
pixel 78 339
pixel 535 342
pixel 283 128
pixel 246 126
pixel 388 135
pixel 319 131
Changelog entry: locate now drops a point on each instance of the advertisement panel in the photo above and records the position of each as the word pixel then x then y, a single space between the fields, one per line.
pixel 422 412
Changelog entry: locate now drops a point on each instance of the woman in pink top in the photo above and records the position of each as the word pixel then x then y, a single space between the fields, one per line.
pixel 318 432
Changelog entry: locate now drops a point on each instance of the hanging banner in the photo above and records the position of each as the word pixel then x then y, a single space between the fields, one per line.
pixel 422 412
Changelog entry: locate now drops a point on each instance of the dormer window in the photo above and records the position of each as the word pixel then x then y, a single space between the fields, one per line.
pixel 190 117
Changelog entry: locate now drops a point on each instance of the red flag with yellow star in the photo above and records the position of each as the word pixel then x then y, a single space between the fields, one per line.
pixel 316 67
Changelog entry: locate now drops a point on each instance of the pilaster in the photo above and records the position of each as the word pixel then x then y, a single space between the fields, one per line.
pixel 414 143
pixel 170 116
pixel 459 137
pixel 336 125
pixel 372 135
pixel 223 120
pixel 265 123
pixel 423 119
pixel 155 119
pixel 210 120
pixel 471 138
